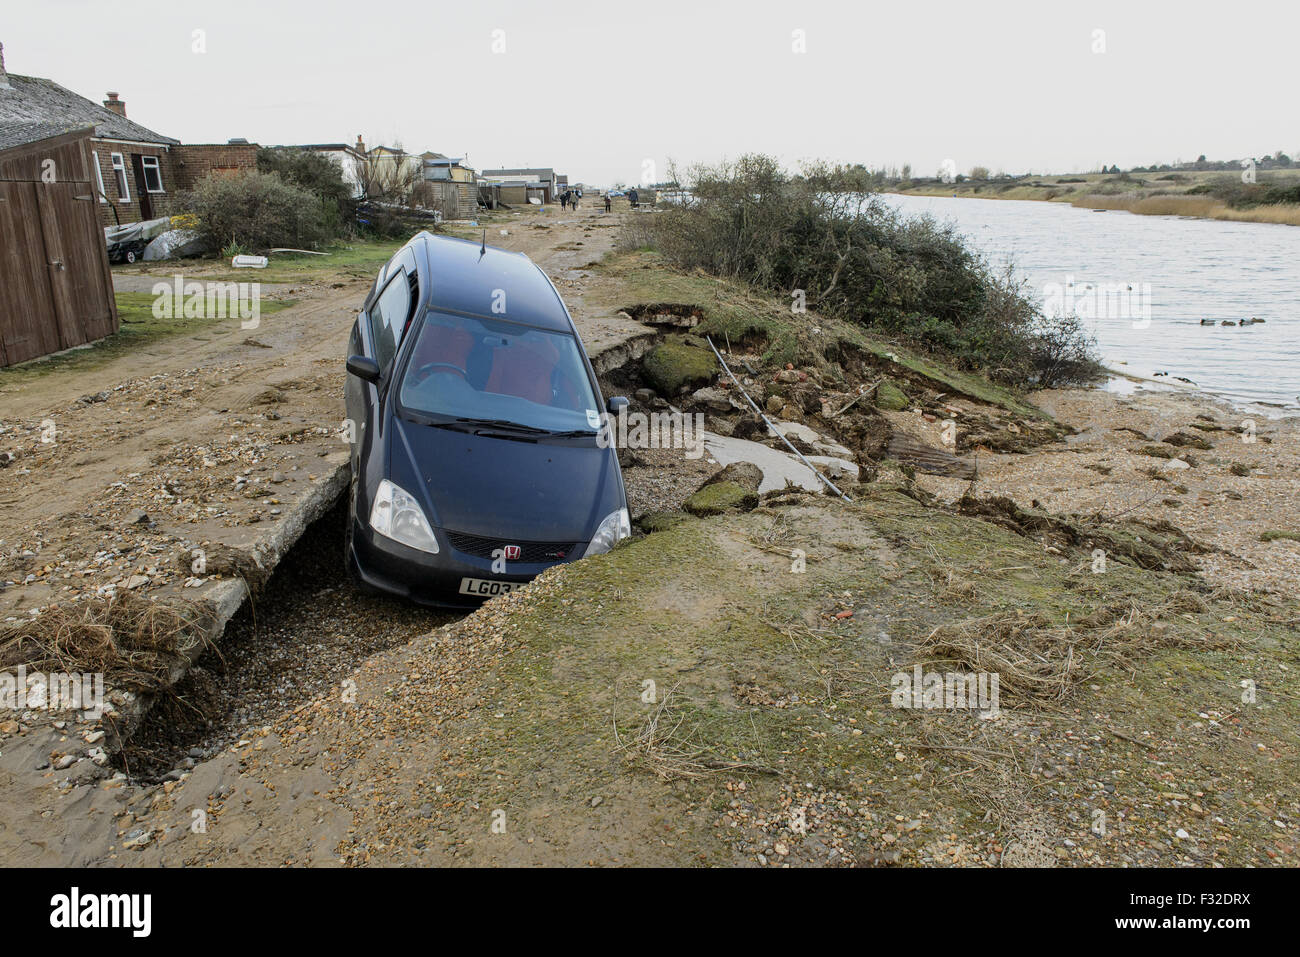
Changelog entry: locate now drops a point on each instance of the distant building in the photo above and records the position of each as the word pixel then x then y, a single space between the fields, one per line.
pixel 440 167
pixel 347 158
pixel 387 156
pixel 544 181
pixel 449 186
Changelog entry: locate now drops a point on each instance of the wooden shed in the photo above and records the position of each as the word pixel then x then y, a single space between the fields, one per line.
pixel 56 290
pixel 513 194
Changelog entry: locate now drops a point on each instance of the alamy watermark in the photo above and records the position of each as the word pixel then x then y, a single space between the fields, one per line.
pixel 1087 300
pixel 654 430
pixel 208 300
pixel 932 690
pixel 59 691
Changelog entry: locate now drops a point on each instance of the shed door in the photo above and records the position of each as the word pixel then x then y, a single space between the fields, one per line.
pixel 26 304
pixel 76 263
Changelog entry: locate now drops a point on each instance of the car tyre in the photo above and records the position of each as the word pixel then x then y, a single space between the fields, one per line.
pixel 348 567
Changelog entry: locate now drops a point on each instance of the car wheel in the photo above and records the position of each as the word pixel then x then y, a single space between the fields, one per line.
pixel 130 257
pixel 347 527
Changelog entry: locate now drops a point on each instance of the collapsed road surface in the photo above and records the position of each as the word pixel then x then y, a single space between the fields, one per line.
pixel 297 638
pixel 187 468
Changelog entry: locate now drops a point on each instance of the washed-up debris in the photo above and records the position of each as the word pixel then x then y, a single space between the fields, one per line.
pixel 129 639
pixel 1150 545
pixel 927 458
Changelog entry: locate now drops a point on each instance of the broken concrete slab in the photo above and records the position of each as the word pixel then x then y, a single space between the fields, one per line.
pixel 779 468
pixel 835 468
pixel 797 430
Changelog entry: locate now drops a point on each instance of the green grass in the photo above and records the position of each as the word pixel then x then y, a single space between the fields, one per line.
pixel 704 613
pixel 139 329
pixel 360 259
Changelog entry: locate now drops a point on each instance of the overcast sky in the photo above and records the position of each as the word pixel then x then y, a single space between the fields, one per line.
pixel 597 89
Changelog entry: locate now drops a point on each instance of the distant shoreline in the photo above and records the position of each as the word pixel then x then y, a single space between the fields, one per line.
pixel 1172 385
pixel 1144 194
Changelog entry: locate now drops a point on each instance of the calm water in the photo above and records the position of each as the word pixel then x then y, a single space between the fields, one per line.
pixel 1192 270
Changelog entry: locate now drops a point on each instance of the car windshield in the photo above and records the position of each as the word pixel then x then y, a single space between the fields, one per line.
pixel 500 372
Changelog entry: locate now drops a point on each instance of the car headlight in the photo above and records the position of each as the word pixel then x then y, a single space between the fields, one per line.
pixel 615 527
pixel 397 515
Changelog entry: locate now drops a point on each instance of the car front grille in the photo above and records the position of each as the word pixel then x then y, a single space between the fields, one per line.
pixel 529 552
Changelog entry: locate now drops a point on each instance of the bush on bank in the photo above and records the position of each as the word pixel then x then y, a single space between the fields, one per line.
pixel 257 211
pixel 822 237
pixel 317 174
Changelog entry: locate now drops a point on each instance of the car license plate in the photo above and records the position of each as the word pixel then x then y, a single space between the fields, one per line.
pixel 486 587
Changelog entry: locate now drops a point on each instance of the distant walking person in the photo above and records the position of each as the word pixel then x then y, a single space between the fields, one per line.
pixel 564 200
pixel 633 198
pixel 575 197
pixel 608 203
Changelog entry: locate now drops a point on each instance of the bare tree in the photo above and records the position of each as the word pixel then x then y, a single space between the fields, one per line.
pixel 389 177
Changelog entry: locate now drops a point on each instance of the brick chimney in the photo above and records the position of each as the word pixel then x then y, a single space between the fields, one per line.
pixel 361 145
pixel 116 105
pixel 4 77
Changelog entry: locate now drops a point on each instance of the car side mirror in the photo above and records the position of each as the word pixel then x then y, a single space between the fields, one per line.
pixel 616 404
pixel 364 367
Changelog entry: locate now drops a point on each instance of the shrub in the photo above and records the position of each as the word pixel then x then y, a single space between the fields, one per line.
pixel 312 171
pixel 855 257
pixel 319 174
pixel 257 211
pixel 1232 191
pixel 1060 352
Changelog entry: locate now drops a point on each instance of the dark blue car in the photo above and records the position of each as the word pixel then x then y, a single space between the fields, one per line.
pixel 475 419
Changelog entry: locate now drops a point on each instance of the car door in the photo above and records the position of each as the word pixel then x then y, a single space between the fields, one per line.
pixel 357 395
pixel 376 334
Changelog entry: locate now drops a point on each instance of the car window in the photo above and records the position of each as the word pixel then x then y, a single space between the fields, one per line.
pixel 462 366
pixel 388 318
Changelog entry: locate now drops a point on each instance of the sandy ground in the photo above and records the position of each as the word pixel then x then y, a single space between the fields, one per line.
pixel 1103 470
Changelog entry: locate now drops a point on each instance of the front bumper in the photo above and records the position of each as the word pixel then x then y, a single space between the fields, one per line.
pixel 426 579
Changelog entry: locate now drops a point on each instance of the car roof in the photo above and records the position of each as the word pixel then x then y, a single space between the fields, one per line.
pixel 456 275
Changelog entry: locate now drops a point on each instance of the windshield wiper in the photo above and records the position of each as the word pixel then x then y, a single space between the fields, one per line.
pixel 453 426
pixel 504 424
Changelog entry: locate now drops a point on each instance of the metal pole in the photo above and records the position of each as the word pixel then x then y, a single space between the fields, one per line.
pixel 768 421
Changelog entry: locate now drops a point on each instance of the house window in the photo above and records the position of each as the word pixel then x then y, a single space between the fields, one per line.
pixel 124 190
pixel 119 174
pixel 99 179
pixel 152 174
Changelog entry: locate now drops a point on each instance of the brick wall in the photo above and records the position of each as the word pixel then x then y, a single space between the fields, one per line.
pixel 180 168
pixel 194 162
